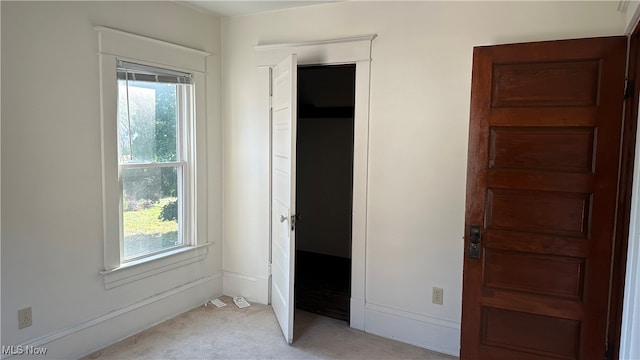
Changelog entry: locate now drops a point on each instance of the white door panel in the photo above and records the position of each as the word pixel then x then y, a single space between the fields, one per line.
pixel 283 157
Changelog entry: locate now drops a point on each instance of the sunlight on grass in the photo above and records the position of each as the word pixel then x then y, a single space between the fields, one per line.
pixel 146 221
pixel 144 232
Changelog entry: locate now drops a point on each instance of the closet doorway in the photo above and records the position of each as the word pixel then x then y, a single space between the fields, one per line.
pixel 324 189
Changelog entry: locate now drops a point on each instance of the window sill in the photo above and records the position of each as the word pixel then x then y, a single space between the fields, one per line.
pixel 144 268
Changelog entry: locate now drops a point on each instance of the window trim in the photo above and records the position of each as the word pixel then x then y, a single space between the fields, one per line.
pixel 114 45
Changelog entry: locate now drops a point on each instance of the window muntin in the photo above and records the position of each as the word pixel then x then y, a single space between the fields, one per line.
pixel 153 159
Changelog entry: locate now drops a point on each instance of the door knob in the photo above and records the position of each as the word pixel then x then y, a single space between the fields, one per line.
pixel 475 236
pixel 282 218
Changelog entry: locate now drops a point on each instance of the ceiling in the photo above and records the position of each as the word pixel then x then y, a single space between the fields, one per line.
pixel 242 7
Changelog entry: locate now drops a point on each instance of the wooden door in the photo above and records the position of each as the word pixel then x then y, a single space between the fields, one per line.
pixel 544 146
pixel 283 198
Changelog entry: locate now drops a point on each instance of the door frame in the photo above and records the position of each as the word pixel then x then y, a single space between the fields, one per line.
pixel 353 50
pixel 627 226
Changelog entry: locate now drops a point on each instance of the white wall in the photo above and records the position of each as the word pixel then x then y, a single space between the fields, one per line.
pixel 420 86
pixel 52 248
pixel 632 13
pixel 629 345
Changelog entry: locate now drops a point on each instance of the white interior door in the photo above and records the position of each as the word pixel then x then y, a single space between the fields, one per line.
pixel 283 175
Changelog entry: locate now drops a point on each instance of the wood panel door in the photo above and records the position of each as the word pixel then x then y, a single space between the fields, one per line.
pixel 544 147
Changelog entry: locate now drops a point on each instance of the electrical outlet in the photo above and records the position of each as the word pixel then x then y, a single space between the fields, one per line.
pixel 24 318
pixel 437 296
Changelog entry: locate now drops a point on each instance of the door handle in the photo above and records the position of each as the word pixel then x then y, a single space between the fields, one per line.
pixel 475 236
pixel 294 218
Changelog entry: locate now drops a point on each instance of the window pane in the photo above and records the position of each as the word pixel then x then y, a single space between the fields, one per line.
pixel 150 210
pixel 147 122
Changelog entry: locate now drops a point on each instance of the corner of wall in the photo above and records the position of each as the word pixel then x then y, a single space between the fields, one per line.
pixel 632 16
pixel 253 288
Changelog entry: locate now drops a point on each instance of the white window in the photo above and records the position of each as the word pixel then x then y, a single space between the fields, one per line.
pixel 154 117
pixel 153 149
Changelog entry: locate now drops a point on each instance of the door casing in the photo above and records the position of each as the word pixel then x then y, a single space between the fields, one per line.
pixel 354 50
pixel 625 185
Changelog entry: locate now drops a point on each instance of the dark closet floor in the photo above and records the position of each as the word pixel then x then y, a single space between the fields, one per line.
pixel 323 284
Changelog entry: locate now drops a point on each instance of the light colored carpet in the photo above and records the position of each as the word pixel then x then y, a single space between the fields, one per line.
pixel 253 333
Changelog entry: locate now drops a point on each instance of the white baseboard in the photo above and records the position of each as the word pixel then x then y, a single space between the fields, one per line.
pixel 96 333
pixel 415 329
pixel 253 288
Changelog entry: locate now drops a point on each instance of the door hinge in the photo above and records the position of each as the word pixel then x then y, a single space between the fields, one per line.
pixel 629 88
pixel 270 88
pixel 294 219
pixel 269 269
